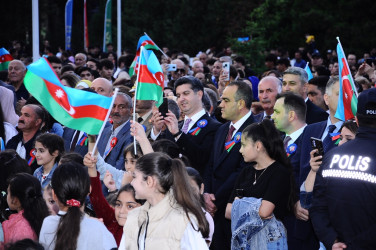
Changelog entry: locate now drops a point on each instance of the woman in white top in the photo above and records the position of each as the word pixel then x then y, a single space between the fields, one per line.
pixel 172 217
pixel 70 229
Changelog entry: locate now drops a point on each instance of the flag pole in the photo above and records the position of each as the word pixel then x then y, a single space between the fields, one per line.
pixel 105 121
pixel 157 46
pixel 347 65
pixel 135 95
pixel 35 24
pixel 118 28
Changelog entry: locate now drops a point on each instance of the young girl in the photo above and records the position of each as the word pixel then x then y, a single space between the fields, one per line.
pixel 48 150
pixel 172 217
pixel 24 196
pixel 266 186
pixel 113 218
pixel 71 229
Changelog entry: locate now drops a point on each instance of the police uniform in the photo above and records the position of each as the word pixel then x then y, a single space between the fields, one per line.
pixel 344 195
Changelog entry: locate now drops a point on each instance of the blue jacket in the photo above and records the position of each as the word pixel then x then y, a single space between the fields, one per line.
pixel 116 156
pixel 249 231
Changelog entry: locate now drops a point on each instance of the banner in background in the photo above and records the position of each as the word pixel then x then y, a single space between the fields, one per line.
pixel 68 24
pixel 86 30
pixel 107 35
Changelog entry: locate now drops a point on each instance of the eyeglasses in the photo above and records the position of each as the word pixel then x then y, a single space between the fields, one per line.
pixel 180 70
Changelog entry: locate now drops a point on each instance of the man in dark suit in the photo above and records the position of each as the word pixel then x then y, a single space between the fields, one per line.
pixel 304 235
pixel 75 141
pixel 116 138
pixel 295 80
pixel 194 135
pixel 226 162
pixel 289 117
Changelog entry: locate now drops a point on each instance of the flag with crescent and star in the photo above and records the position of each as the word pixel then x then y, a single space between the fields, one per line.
pixel 145 41
pixel 151 79
pixel 348 95
pixel 74 108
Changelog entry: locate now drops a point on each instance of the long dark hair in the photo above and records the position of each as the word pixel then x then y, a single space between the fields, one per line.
pixel 70 181
pixel 171 173
pixel 28 190
pixel 266 133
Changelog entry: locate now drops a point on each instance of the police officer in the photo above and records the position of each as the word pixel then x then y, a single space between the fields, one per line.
pixel 344 196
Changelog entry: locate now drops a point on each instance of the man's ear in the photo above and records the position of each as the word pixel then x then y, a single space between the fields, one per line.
pixel 326 99
pixel 38 122
pixel 241 104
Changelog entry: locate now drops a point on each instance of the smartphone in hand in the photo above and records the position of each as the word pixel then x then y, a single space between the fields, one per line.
pixel 163 109
pixel 317 144
pixel 226 70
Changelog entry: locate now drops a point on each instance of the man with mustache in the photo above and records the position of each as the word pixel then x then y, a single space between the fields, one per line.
pixel 268 89
pixel 116 138
pixel 30 124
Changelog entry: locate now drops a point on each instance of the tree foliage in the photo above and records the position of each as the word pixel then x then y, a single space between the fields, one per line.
pixel 194 25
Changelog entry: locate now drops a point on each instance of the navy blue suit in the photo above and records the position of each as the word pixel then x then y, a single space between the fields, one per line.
pixel 222 172
pixel 315 113
pixel 303 234
pixel 68 136
pixel 198 147
pixel 116 156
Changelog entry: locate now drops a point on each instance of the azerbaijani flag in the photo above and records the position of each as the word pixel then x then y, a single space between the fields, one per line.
pixel 73 108
pixel 348 96
pixel 150 79
pixel 145 41
pixel 5 59
pixel 309 72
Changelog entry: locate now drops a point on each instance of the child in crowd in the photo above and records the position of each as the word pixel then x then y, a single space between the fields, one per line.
pixel 198 185
pixel 48 150
pixel 172 217
pixel 25 197
pixel 50 202
pixel 113 218
pixel 70 228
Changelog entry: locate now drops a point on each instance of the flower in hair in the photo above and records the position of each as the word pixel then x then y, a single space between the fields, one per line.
pixel 73 203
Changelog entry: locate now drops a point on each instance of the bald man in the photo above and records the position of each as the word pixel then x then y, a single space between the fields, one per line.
pixel 180 69
pixel 102 86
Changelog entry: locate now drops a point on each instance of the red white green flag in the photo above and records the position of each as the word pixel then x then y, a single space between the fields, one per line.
pixel 145 41
pixel 5 59
pixel 150 78
pixel 74 108
pixel 348 95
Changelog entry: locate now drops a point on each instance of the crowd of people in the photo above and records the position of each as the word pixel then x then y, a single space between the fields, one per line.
pixel 230 165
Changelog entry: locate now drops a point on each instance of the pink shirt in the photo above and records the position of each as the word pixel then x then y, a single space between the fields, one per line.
pixel 18 228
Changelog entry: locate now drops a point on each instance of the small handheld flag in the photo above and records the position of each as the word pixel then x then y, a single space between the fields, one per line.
pixel 73 108
pixel 348 95
pixel 5 59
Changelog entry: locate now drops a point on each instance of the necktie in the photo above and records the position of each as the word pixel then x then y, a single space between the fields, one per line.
pixel 229 135
pixel 74 142
pixel 186 125
pixel 139 120
pixel 286 141
pixel 328 139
